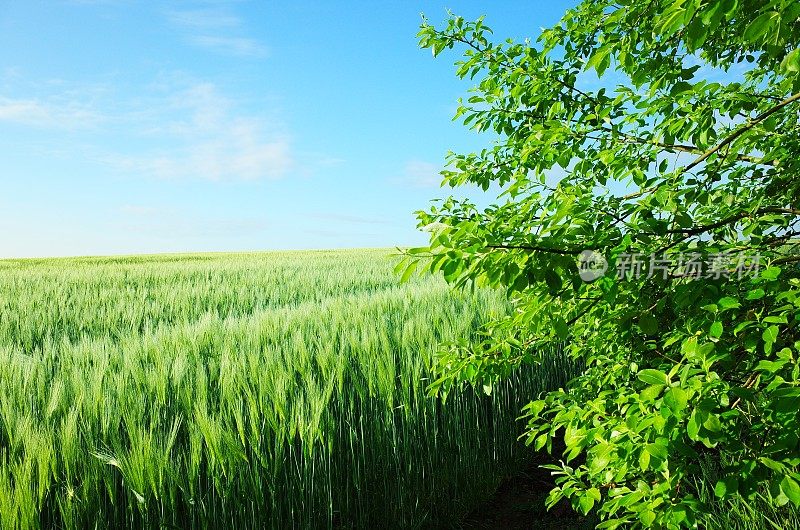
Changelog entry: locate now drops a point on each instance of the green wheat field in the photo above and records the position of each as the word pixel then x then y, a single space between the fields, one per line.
pixel 255 390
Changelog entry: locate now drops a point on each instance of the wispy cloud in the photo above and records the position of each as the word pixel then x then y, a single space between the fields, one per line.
pixel 47 114
pixel 216 29
pixel 175 128
pixel 224 160
pixel 97 2
pixel 330 161
pixel 239 46
pixel 209 140
pixel 420 174
pixel 204 19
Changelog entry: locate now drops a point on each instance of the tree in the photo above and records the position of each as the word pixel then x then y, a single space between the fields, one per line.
pixel 662 135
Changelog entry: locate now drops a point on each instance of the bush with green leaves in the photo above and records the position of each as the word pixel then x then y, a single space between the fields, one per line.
pixel 665 136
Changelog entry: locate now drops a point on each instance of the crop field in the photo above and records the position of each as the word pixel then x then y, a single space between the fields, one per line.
pixel 281 389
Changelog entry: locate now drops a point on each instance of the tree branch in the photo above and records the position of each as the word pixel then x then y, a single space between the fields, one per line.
pixel 535 248
pixel 741 130
pixel 510 66
pixel 728 220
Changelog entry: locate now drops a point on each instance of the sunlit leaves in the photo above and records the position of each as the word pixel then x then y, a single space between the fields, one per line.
pixel 679 160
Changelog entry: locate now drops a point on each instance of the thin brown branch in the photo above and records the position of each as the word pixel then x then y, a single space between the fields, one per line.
pixel 741 130
pixel 510 66
pixel 535 248
pixel 585 310
pixel 783 261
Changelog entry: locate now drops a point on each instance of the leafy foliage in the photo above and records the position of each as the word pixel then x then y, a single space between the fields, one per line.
pixel 666 130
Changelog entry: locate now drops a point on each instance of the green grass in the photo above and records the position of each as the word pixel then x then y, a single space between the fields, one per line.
pixel 738 513
pixel 241 391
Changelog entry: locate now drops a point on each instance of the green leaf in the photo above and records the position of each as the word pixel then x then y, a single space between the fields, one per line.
pixel 648 324
pixel 553 281
pixel 712 14
pixel 759 27
pixel 676 399
pixel 409 271
pixel 716 329
pixel 791 63
pixel 755 294
pixel 561 328
pixel 729 303
pixel 726 487
pixel 720 489
pixel 644 460
pixel 712 423
pixel 599 60
pixel 672 21
pixel 651 393
pixel 791 489
pixel 772 464
pixel 647 517
pixel 653 377
pixel 770 366
pixel 601 459
pixel 770 335
pixel 586 503
pixel 658 451
pixel 401 265
pixel 693 427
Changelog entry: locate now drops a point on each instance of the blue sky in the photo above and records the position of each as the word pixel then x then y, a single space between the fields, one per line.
pixel 140 127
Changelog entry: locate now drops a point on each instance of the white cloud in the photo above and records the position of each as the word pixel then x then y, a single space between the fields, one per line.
pixel 47 114
pixel 175 128
pixel 216 29
pixel 420 174
pixel 239 46
pixel 204 18
pixel 330 161
pixel 97 2
pixel 226 159
pixel 209 140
